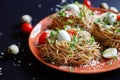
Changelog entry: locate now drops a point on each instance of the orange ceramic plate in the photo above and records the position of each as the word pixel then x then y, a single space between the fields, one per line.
pixel 101 67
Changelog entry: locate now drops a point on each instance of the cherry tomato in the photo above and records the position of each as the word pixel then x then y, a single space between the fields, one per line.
pixel 118 17
pixel 43 37
pixel 27 27
pixel 72 31
pixel 87 3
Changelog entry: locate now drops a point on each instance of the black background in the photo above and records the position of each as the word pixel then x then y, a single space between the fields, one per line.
pixel 25 66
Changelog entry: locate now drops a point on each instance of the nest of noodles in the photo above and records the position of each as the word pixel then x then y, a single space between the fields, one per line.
pixel 61 53
pixel 107 37
pixel 66 17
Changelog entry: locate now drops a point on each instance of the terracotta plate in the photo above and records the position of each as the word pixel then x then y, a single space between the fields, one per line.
pixel 101 67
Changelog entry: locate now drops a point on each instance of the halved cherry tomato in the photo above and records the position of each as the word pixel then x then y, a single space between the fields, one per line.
pixel 43 37
pixel 118 17
pixel 72 32
pixel 27 27
pixel 87 3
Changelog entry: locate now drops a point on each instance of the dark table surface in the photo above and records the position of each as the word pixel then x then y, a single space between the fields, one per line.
pixel 25 66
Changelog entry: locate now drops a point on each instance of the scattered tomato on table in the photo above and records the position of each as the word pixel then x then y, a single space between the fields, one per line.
pixel 27 28
pixel 87 3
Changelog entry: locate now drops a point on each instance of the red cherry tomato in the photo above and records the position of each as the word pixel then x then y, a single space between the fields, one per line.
pixel 43 37
pixel 27 27
pixel 87 3
pixel 118 17
pixel 72 31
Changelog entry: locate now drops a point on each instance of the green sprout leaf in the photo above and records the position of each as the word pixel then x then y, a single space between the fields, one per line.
pixel 117 30
pixel 92 40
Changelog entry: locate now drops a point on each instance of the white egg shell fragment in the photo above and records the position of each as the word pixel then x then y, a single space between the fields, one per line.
pixel 26 18
pixel 111 18
pixel 13 49
pixel 73 7
pixel 110 53
pixel 63 36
